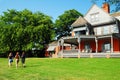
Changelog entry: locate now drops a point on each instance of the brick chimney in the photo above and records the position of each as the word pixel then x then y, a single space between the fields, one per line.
pixel 106 7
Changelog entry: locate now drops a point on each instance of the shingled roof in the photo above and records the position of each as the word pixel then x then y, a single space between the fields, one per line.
pixel 115 14
pixel 79 22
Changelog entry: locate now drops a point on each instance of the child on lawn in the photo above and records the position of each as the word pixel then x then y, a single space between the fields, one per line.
pixel 17 57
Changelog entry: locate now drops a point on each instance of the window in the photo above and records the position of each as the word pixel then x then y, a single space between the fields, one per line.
pixel 106 30
pixel 106 47
pixel 94 17
pixel 99 32
pixel 114 29
pixel 87 48
pixel 78 33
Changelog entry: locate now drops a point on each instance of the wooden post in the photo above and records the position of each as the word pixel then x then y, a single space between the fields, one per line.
pixel 62 41
pixel 79 45
pixel 96 41
pixel 78 55
pixel 108 56
pixel 111 44
pixel 91 55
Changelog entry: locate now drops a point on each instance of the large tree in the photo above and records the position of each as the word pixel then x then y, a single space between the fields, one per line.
pixel 115 3
pixel 64 21
pixel 24 30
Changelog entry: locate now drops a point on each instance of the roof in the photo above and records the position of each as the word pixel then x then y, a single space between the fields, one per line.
pixel 116 14
pixel 54 43
pixel 79 22
pixel 51 48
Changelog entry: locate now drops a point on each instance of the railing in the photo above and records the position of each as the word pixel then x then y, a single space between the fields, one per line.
pixel 74 53
pixel 70 51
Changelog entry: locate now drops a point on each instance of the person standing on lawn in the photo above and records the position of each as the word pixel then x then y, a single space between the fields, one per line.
pixel 17 57
pixel 10 58
pixel 23 58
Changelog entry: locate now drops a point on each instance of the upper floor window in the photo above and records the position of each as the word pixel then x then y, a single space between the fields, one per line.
pixel 99 31
pixel 114 29
pixel 94 17
pixel 106 30
pixel 78 33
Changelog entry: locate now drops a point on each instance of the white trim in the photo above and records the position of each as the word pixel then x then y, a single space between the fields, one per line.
pixel 80 29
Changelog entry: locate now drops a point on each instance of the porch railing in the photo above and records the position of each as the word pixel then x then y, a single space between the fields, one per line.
pixel 75 53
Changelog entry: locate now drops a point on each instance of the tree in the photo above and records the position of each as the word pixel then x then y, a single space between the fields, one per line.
pixel 24 30
pixel 64 21
pixel 115 3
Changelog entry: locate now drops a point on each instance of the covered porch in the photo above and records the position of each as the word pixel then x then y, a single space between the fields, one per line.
pixel 86 44
pixel 78 44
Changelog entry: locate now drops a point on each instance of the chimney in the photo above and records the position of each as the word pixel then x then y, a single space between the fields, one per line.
pixel 106 7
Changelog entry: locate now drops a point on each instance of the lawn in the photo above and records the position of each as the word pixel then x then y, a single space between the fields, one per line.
pixel 62 69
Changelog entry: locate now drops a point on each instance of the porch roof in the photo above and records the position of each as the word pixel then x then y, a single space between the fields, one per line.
pixel 115 35
pixel 51 48
pixel 74 40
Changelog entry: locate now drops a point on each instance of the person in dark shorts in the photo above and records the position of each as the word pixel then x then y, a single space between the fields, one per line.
pixel 10 58
pixel 23 58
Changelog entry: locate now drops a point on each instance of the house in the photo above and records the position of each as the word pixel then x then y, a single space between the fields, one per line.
pixel 97 32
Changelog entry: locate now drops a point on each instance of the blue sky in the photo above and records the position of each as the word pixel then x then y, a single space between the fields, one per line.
pixel 53 8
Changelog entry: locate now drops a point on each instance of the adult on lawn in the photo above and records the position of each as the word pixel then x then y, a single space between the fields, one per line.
pixel 17 57
pixel 10 58
pixel 23 58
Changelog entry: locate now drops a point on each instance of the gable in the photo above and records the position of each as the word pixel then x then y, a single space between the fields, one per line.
pixel 96 16
pixel 79 22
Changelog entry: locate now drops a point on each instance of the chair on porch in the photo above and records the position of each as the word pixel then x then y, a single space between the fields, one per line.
pixel 87 50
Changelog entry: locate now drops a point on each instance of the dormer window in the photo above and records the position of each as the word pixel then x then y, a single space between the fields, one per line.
pixel 94 17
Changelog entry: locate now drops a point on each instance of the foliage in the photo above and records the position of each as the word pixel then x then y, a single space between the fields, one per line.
pixel 115 3
pixel 62 69
pixel 22 30
pixel 64 21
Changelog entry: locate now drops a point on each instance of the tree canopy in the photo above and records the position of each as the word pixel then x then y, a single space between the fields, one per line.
pixel 24 30
pixel 64 21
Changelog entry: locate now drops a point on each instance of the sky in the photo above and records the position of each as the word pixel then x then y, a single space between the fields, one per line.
pixel 53 8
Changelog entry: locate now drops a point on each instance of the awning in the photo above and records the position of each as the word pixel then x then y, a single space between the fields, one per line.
pixel 80 29
pixel 51 48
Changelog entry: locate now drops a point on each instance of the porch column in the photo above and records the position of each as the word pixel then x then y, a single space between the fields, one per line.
pixel 96 41
pixel 58 46
pixel 111 44
pixel 79 40
pixel 62 45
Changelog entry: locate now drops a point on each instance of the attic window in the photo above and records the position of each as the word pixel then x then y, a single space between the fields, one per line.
pixel 94 17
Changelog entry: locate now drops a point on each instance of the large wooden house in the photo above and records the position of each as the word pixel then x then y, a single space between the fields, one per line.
pixel 97 32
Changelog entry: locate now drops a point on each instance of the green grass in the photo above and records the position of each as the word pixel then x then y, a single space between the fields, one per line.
pixel 62 69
